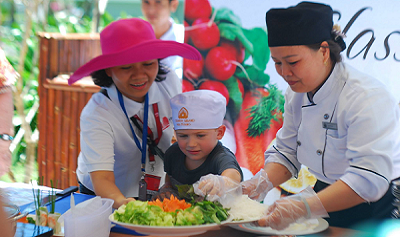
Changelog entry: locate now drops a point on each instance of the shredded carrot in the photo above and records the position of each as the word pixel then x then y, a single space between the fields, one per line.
pixel 171 205
pixel 23 220
pixel 156 202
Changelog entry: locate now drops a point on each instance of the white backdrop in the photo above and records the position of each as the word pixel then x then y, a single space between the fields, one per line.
pixel 373 23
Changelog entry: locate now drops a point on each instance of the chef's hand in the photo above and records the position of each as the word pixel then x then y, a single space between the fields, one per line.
pixel 294 208
pixel 217 188
pixel 258 186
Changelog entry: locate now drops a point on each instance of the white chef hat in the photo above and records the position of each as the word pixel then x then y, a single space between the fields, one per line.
pixel 198 109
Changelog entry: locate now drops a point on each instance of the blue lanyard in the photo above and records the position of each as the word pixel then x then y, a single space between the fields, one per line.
pixel 144 133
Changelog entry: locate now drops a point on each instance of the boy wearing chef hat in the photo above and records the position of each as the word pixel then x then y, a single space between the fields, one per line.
pixel 197 117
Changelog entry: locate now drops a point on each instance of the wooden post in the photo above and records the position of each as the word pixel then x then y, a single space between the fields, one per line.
pixel 49 132
pixel 73 152
pixel 43 63
pixel 61 105
pixel 58 108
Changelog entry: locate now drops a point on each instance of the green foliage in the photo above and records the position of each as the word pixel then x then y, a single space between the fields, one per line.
pixel 71 19
pixel 265 111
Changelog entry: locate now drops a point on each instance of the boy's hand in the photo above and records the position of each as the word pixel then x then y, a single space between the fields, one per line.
pixel 217 188
pixel 165 192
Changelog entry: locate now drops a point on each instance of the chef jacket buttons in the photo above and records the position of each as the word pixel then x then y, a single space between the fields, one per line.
pixel 326 116
pixel 298 143
pixel 319 152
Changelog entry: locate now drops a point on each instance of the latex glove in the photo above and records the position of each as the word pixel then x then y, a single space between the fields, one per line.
pixel 258 186
pixel 218 188
pixel 295 208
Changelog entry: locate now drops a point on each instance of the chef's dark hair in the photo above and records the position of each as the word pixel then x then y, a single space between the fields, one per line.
pixel 334 48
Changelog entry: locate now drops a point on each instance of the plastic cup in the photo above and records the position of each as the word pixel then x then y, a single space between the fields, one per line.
pixel 94 224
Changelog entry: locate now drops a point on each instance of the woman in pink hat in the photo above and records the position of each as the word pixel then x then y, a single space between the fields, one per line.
pixel 118 160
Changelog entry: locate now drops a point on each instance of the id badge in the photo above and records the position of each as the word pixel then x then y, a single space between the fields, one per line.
pixel 142 190
pixel 153 183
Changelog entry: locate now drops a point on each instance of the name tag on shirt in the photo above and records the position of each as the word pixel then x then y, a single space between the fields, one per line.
pixel 330 126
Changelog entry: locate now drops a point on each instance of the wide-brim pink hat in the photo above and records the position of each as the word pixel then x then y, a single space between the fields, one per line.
pixel 132 40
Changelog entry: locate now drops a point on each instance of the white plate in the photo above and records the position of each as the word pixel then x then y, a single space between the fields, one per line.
pixel 309 227
pixel 230 222
pixel 168 230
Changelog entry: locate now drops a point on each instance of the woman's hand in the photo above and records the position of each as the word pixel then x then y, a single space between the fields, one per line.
pixel 258 186
pixel 105 187
pixel 5 157
pixel 295 208
pixel 123 201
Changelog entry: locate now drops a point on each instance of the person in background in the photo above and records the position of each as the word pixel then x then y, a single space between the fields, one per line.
pixel 158 14
pixel 198 116
pixel 340 123
pixel 7 79
pixel 125 128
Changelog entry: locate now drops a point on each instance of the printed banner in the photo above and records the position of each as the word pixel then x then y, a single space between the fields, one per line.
pixel 236 62
pixel 372 29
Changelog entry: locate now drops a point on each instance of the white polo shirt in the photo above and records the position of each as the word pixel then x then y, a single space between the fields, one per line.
pixel 175 33
pixel 106 138
pixel 360 143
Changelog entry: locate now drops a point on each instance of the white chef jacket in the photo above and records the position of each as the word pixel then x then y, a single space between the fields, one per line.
pixel 176 33
pixel 361 146
pixel 107 142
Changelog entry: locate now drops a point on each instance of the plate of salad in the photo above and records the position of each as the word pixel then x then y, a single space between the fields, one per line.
pixel 167 230
pixel 170 217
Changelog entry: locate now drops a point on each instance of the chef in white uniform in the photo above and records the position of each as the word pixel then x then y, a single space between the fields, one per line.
pixel 340 123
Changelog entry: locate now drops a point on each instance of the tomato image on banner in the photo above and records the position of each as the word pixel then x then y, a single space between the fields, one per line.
pixel 234 63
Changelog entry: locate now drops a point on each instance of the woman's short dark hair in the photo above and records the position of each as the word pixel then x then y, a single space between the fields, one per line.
pixel 334 47
pixel 101 78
